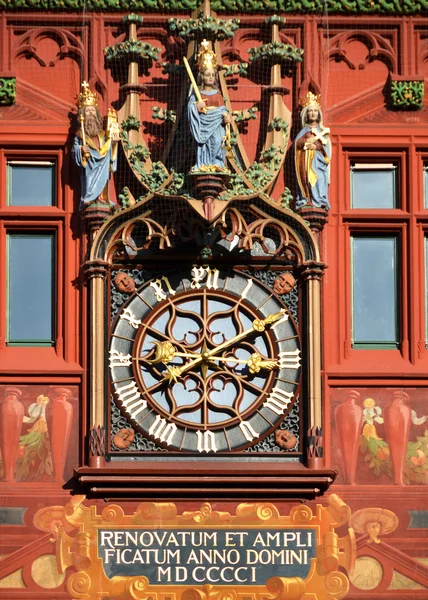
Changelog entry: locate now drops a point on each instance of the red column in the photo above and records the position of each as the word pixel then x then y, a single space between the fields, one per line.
pixel 11 416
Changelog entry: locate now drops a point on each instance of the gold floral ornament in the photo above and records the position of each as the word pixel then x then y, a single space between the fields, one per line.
pixel 211 169
pixel 374 522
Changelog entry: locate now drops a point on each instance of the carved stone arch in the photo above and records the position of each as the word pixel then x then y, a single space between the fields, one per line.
pixel 378 49
pixel 249 221
pixel 69 45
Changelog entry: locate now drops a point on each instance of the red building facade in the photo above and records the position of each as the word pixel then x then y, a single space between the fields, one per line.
pixel 368 65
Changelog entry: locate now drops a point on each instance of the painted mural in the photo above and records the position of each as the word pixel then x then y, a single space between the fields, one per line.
pixel 380 436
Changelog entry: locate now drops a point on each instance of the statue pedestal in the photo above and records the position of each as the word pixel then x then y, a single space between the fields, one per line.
pixel 207 187
pixel 316 217
pixel 94 216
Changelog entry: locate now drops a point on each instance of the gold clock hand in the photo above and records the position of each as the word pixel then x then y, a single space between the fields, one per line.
pixel 258 325
pixel 255 363
pixel 166 352
pixel 176 372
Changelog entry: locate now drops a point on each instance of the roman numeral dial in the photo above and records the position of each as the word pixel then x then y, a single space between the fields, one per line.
pixel 205 361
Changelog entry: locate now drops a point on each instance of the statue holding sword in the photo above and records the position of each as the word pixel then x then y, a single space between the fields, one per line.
pixel 312 156
pixel 208 116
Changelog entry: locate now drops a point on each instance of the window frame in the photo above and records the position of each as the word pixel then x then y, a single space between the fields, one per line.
pixel 10 163
pixel 379 156
pixel 425 184
pixel 393 167
pixel 342 356
pixel 63 355
pixel 29 227
pixel 32 343
pixel 376 345
pixel 31 156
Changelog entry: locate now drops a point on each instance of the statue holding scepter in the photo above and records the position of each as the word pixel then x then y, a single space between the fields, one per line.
pixel 94 149
pixel 208 116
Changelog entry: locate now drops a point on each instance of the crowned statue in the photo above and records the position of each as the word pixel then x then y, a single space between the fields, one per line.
pixel 312 156
pixel 208 116
pixel 95 149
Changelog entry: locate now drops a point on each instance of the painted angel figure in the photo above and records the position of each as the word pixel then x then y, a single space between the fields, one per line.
pixel 312 156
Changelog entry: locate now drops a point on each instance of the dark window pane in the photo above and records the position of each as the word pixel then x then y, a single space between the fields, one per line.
pixel 374 290
pixel 31 184
pixel 31 288
pixel 373 188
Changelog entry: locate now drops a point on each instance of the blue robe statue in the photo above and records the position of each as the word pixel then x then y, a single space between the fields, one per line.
pixel 95 171
pixel 312 170
pixel 208 130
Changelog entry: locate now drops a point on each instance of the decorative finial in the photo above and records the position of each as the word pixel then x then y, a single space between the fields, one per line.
pixel 311 98
pixel 206 57
pixel 86 97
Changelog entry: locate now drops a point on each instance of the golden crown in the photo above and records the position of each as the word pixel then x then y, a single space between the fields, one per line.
pixel 86 97
pixel 311 98
pixel 206 57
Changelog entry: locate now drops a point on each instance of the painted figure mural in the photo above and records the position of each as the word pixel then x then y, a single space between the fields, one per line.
pixel 94 149
pixel 208 116
pixel 313 154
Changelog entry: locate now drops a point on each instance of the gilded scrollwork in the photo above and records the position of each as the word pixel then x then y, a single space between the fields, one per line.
pixel 286 588
pixel 338 510
pixel 261 511
pixel 78 550
pixel 301 514
pixel 155 511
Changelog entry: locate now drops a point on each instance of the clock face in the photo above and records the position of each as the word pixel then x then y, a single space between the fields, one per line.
pixel 204 361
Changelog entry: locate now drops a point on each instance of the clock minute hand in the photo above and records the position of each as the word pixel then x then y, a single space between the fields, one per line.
pixel 258 325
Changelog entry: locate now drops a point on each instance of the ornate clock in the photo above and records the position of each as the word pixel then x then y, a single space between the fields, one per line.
pixel 204 360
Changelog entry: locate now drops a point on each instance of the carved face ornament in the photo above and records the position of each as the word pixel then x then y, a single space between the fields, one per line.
pixel 124 283
pixel 283 284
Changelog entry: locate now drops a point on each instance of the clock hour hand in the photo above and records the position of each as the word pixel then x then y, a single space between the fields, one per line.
pixel 174 373
pixel 166 352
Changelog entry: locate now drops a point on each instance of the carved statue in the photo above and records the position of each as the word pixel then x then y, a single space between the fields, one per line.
pixel 94 149
pixel 312 156
pixel 208 116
